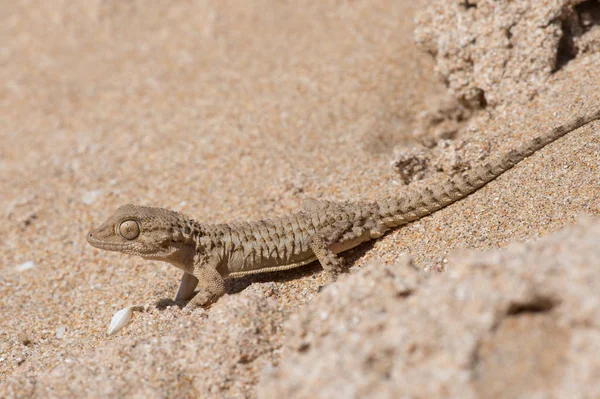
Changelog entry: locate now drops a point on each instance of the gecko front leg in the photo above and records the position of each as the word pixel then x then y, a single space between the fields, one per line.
pixel 210 283
pixel 188 284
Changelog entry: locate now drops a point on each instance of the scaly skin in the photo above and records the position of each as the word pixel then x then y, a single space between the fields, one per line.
pixel 209 253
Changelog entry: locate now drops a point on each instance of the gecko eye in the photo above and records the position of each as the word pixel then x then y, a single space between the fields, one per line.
pixel 129 229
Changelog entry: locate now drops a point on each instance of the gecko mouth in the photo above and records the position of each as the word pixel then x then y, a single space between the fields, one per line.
pixel 107 246
pixel 128 247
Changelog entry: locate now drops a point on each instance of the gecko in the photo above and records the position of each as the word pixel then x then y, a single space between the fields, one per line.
pixel 210 253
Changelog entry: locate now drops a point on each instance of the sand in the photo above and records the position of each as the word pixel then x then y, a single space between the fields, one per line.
pixel 228 111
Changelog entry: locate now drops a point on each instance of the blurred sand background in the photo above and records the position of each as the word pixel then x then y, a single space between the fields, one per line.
pixel 228 111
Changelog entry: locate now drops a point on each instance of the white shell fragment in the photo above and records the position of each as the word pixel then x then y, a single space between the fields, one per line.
pixel 25 266
pixel 119 320
pixel 60 332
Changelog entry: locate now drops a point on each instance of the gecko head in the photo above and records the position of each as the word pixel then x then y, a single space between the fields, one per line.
pixel 137 230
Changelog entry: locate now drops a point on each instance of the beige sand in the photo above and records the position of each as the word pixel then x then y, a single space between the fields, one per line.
pixel 227 111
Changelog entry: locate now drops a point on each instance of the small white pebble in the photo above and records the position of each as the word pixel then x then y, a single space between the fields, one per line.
pixel 89 197
pixel 119 320
pixel 60 332
pixel 25 266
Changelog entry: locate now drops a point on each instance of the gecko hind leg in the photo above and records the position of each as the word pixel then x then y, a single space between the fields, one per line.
pixel 320 244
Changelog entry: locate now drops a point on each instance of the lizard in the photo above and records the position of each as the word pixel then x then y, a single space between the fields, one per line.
pixel 209 253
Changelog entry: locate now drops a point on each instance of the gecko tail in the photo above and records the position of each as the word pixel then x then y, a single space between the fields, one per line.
pixel 395 212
